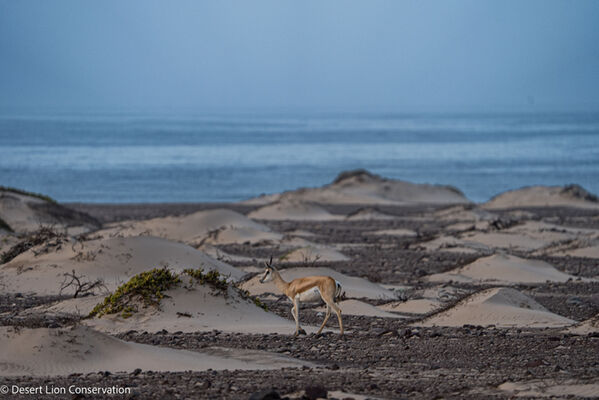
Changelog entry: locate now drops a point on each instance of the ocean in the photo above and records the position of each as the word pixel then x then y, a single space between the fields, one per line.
pixel 168 157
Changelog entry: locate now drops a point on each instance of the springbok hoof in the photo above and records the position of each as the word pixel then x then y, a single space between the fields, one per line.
pixel 302 332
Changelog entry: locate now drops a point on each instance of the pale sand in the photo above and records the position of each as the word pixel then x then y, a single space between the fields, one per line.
pixel 52 352
pixel 209 310
pixel 314 253
pixel 289 209
pixel 357 187
pixel 219 226
pixel 502 307
pixel 504 269
pixel 369 214
pixel 533 236
pixel 591 325
pixel 25 213
pixel 551 388
pixel 415 306
pixel 114 261
pixel 352 286
pixel 356 307
pixel 543 196
pixel 392 232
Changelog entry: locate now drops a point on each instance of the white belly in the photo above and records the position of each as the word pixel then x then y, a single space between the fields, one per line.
pixel 310 296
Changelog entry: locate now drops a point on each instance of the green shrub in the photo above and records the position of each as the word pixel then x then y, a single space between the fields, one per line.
pixel 149 287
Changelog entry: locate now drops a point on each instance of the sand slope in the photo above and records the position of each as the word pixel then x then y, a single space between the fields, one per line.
pixel 415 306
pixel 502 307
pixel 503 268
pixel 208 311
pixel 24 213
pixel 356 307
pixel 220 226
pixel 290 209
pixel 591 325
pixel 362 187
pixel 352 286
pixel 543 196
pixel 113 260
pixel 314 253
pixel 82 350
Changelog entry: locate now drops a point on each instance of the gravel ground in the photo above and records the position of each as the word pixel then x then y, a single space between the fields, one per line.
pixel 378 357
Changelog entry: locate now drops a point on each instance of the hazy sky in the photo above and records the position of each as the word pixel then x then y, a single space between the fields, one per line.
pixel 353 55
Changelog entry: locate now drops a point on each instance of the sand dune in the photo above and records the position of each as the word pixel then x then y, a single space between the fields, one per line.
pixel 290 209
pixel 362 187
pixel 533 236
pixel 352 286
pixel 369 214
pixel 415 306
pixel 112 260
pixel 25 213
pixel 544 196
pixel 219 226
pixel 51 352
pixel 356 307
pixel 198 309
pixel 314 253
pixel 502 307
pixel 393 232
pixel 551 388
pixel 505 269
pixel 591 325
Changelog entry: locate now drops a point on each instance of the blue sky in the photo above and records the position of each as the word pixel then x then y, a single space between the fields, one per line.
pixel 304 55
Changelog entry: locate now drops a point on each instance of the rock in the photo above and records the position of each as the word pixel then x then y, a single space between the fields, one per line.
pixel 137 371
pixel 265 394
pixel 315 392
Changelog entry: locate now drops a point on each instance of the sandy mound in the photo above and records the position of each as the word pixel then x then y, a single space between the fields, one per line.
pixel 200 308
pixel 416 306
pixel 369 214
pixel 83 350
pixel 551 388
pixel 503 268
pixel 543 196
pixel 352 286
pixel 24 212
pixel 362 187
pixel 112 260
pixel 356 307
pixel 591 325
pixel 289 209
pixel 314 253
pixel 502 307
pixel 219 226
pixel 393 232
pixel 533 236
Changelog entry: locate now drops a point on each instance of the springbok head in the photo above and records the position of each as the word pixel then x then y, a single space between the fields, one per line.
pixel 267 275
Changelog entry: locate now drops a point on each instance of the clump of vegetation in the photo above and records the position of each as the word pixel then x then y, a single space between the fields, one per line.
pixel 5 226
pixel 212 278
pixel 246 295
pixel 26 193
pixel 43 235
pixel 149 287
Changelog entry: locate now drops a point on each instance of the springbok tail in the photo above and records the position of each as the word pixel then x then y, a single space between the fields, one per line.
pixel 338 291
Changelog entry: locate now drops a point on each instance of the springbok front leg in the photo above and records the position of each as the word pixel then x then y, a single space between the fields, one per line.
pixel 326 318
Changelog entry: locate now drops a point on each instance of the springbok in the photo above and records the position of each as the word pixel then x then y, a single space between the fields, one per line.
pixel 301 288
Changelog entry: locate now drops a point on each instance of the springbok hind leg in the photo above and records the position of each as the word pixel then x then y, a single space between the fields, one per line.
pixel 326 318
pixel 338 312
